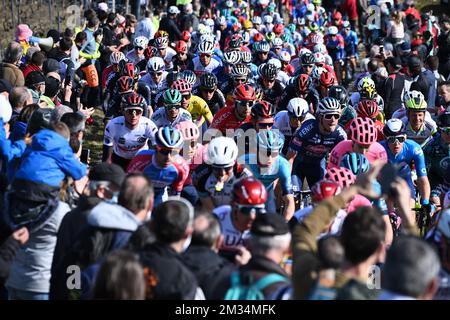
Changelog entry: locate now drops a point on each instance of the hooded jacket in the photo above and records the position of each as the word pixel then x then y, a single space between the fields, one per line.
pixel 12 73
pixel 49 159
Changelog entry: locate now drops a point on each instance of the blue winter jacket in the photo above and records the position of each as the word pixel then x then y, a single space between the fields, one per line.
pixel 49 159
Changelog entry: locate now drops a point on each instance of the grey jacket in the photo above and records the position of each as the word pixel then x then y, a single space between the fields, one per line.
pixel 30 270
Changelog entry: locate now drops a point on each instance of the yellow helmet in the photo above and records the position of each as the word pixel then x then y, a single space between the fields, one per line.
pixel 247 24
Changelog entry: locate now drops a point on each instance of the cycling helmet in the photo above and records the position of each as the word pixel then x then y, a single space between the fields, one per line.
pixel 317 2
pixel 239 70
pixel 348 114
pixel 291 27
pixel 332 31
pixel 150 52
pixel 324 189
pixel 303 51
pixel 126 84
pixel 129 69
pixel 185 36
pixel 156 64
pixel 277 42
pixel 161 34
pixel 366 83
pixel 262 109
pixel 189 76
pixel 245 37
pixel 317 72
pixel 267 19
pixel 263 47
pixel 270 140
pixel 339 93
pixel 182 86
pixel 285 37
pixel 327 79
pixel 363 131
pixel 257 20
pixel 329 105
pixel 181 46
pixel 172 97
pixel 244 92
pixel 316 38
pixel 314 27
pixel 249 191
pixel 343 176
pixel 278 29
pixel 171 77
pixel 161 42
pixel 222 152
pixel 169 137
pixel 337 15
pixel 346 24
pixel 235 41
pixel 298 107
pixel 206 47
pixel 189 130
pixel 443 120
pixel 367 108
pixel 133 100
pixel 380 102
pixel 231 57
pixel 443 225
pixel 415 101
pixel 356 162
pixel 320 47
pixel 285 56
pixel 269 71
pixel 394 127
pixel 116 57
pixel 303 82
pixel 307 58
pixel 246 57
pixel 208 81
pixel 140 41
pixel 319 58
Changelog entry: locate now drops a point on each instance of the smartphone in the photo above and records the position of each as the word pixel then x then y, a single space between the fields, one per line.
pixel 388 174
pixel 85 155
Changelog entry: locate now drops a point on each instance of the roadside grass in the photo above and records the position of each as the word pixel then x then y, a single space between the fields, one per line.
pixel 93 139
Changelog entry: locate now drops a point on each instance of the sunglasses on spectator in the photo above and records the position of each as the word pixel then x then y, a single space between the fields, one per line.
pixel 247 210
pixel 331 116
pixel 446 130
pixel 172 106
pixel 205 55
pixel 132 111
pixel 245 103
pixel 394 139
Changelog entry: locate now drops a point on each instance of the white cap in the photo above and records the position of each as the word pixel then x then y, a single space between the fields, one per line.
pixel 5 109
pixel 173 10
pixel 103 6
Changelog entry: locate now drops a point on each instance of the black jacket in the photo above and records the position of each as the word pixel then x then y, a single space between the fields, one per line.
pixel 169 25
pixel 393 88
pixel 207 266
pixel 8 251
pixel 174 280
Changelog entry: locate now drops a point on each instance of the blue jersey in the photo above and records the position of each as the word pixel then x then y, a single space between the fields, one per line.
pixel 350 43
pixel 411 152
pixel 311 145
pixel 268 175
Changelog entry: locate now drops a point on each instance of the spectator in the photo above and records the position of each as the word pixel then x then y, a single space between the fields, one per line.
pixel 444 47
pixel 35 81
pixel 393 87
pixel 168 24
pixel 19 98
pixel 188 21
pixel 36 63
pixel 145 27
pixel 9 69
pixel 422 79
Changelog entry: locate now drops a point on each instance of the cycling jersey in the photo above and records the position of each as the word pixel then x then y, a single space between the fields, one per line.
pixel 199 110
pixel 411 151
pixel 375 152
pixel 350 43
pixel 358 201
pixel 199 69
pixel 226 119
pixel 217 101
pixel 128 142
pixel 133 57
pixel 424 134
pixel 170 53
pixel 159 117
pixel 273 94
pixel 291 92
pixel 335 47
pixel 174 175
pixel 106 74
pixel 154 88
pixel 333 228
pixel 268 175
pixel 232 238
pixel 437 159
pixel 281 122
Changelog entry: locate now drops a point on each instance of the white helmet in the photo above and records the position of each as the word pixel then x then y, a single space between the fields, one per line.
pixel 161 42
pixel 298 107
pixel 303 51
pixel 310 7
pixel 206 47
pixel 319 58
pixel 275 62
pixel 209 22
pixel 320 47
pixel 277 42
pixel 257 20
pixel 245 37
pixel 116 57
pixel 140 41
pixel 317 72
pixel 231 57
pixel 222 152
pixel 333 30
pixel 285 56
pixel 207 37
pixel 155 64
pixel 246 57
pixel 444 223
pixel 365 82
pixel 267 19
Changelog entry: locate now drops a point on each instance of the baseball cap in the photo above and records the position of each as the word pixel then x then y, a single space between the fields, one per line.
pixel 267 225
pixel 173 10
pixel 34 77
pixel 107 172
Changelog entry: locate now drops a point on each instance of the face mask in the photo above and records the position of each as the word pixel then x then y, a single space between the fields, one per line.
pixel 114 199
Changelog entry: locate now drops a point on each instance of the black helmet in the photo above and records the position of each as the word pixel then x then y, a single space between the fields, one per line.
pixel 339 93
pixel 172 76
pixel 208 81
pixel 40 119
pixel 443 120
pixel 269 71
pixel 308 58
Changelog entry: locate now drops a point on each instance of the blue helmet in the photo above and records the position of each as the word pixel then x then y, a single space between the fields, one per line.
pixel 270 140
pixel 169 137
pixel 356 162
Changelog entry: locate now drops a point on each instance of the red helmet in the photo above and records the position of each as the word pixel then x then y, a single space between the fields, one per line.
pixel 258 37
pixel 278 29
pixel 262 109
pixel 363 131
pixel 337 15
pixel 185 36
pixel 244 92
pixel 324 189
pixel 327 79
pixel 129 69
pixel 150 52
pixel 304 82
pixel 249 191
pixel 182 86
pixel 133 101
pixel 343 176
pixel 181 46
pixel 367 108
pixel 126 84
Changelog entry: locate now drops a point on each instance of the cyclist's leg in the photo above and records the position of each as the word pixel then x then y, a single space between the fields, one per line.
pixel 121 162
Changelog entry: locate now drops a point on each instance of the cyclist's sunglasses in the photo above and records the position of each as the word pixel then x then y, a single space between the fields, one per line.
pixel 239 80
pixel 247 210
pixel 264 125
pixel 164 151
pixel 206 55
pixel 292 116
pixel 331 116
pixel 310 66
pixel 139 48
pixel 246 103
pixel 394 139
pixel 132 111
pixel 208 90
pixel 172 106
pixel 156 74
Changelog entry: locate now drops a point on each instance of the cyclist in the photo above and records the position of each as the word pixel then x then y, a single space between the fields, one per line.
pixel 326 80
pixel 137 54
pixel 172 113
pixel 335 46
pixel 167 170
pixel 271 168
pixel 155 79
pixel 204 62
pixel 262 52
pixel 363 137
pixel 313 141
pixel 301 87
pixel 285 59
pixel 233 116
pixel 113 69
pixel 288 121
pixel 161 43
pixel 183 56
pixel 307 64
pixel 239 74
pixel 208 91
pixel 125 136
pixel 271 87
pixel 368 108
pixel 350 43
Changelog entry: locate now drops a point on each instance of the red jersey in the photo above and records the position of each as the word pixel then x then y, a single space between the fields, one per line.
pixel 226 119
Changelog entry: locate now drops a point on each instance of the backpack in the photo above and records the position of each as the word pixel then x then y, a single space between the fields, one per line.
pixel 238 291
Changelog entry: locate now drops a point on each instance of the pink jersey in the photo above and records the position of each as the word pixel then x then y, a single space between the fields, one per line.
pixel 358 201
pixel 375 152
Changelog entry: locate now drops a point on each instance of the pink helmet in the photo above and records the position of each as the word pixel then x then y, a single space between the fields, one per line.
pixel 363 131
pixel 343 176
pixel 189 130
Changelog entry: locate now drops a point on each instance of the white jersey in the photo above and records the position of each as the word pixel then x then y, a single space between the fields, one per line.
pixel 281 122
pixel 283 77
pixel 133 57
pixel 199 69
pixel 152 85
pixel 233 238
pixel 336 226
pixel 127 142
pixel 159 117
pixel 170 53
